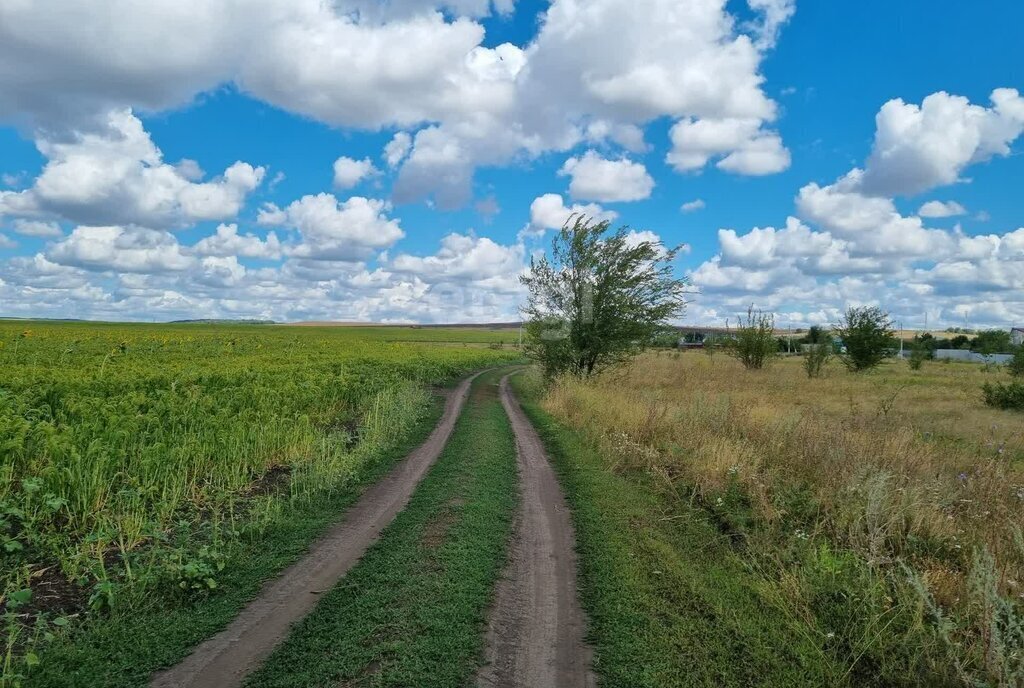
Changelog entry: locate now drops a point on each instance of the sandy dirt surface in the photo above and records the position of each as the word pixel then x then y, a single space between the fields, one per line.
pixel 535 636
pixel 225 659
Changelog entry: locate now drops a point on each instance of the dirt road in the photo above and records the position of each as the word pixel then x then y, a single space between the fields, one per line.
pixel 225 659
pixel 535 636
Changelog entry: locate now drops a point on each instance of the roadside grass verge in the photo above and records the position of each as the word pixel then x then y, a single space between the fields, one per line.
pixel 879 512
pixel 156 628
pixel 669 600
pixel 412 611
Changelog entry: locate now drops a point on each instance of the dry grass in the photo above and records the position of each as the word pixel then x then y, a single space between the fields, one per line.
pixel 903 468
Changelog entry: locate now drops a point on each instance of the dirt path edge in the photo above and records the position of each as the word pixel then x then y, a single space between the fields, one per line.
pixel 536 627
pixel 225 659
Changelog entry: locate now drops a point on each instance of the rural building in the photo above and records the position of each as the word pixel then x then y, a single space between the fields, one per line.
pixel 1017 336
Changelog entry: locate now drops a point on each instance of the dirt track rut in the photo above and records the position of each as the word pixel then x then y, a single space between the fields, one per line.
pixel 535 636
pixel 225 659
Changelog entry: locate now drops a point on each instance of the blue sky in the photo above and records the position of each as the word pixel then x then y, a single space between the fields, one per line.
pixel 876 145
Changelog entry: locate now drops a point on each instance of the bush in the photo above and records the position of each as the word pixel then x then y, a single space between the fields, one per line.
pixel 918 355
pixel 815 357
pixel 1016 365
pixel 755 343
pixel 1008 396
pixel 867 335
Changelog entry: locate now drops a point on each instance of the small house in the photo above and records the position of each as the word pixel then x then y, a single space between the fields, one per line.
pixel 1017 336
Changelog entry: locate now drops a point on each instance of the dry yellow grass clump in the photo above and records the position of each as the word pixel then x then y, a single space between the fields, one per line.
pixel 904 468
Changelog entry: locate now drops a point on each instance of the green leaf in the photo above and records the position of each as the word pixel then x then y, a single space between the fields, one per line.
pixel 20 597
pixel 32 659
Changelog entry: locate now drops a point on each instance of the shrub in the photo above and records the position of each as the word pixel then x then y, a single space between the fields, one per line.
pixel 1008 396
pixel 755 343
pixel 867 335
pixel 1016 365
pixel 815 357
pixel 918 355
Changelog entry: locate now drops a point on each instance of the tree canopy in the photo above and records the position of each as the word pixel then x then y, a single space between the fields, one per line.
pixel 601 297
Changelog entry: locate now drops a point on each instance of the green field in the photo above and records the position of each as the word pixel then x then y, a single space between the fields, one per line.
pixel 144 463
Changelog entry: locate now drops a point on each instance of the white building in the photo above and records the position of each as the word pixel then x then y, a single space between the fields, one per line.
pixel 1017 336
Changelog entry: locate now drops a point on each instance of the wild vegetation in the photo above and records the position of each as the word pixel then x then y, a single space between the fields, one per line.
pixel 145 461
pixel 867 336
pixel 754 344
pixel 877 517
pixel 600 299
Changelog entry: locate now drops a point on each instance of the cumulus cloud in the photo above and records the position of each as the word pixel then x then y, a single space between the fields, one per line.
pixel 349 172
pixel 397 148
pixel 747 148
pixel 124 249
pixel 596 71
pixel 920 147
pixel 941 209
pixel 117 175
pixel 352 230
pixel 465 258
pixel 858 248
pixel 35 228
pixel 227 242
pixel 596 179
pixel 550 212
pixel 692 206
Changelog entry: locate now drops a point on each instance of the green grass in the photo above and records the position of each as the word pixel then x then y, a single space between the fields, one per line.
pixel 670 601
pixel 156 630
pixel 412 612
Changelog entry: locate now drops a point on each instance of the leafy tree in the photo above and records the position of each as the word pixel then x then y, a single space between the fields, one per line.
pixel 961 341
pixel 600 298
pixel 992 342
pixel 817 335
pixel 867 335
pixel 755 344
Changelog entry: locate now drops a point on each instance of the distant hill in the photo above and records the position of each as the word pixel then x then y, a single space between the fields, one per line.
pixel 343 323
pixel 217 321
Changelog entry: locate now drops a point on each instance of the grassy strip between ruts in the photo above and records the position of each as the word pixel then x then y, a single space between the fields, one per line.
pixel 412 612
pixel 124 649
pixel 670 603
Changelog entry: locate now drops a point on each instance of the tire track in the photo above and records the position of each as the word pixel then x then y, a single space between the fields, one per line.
pixel 535 635
pixel 225 659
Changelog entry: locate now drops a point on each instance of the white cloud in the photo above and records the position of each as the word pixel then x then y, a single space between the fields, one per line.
pixel 465 258
pixel 117 175
pixel 7 242
pixel 692 206
pixel 746 147
pixel 596 179
pixel 775 14
pixel 124 249
pixel 219 271
pixel 941 209
pixel 550 212
pixel 352 230
pixel 864 251
pixel 918 148
pixel 596 70
pixel 227 242
pixel 397 148
pixel 35 228
pixel 349 172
